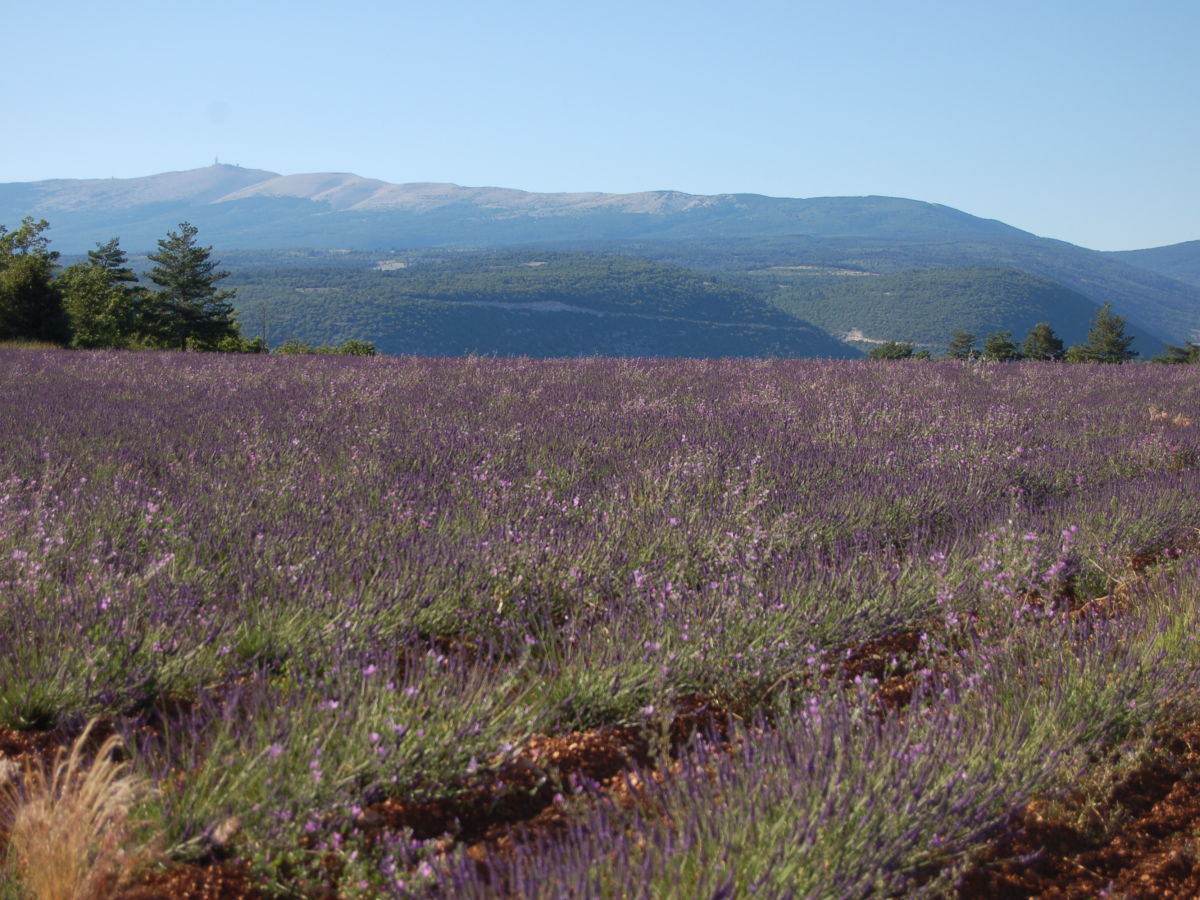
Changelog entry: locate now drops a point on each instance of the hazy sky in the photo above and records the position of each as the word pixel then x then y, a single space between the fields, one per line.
pixel 1073 119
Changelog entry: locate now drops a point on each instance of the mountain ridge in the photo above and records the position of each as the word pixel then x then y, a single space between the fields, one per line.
pixel 1178 261
pixel 67 203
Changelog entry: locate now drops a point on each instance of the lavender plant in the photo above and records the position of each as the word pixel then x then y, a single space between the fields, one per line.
pixel 219 548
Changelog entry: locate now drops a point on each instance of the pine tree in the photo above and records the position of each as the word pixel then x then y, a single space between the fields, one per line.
pixel 113 260
pixel 999 347
pixel 961 346
pixel 1107 341
pixel 189 310
pixel 1042 343
pixel 1188 354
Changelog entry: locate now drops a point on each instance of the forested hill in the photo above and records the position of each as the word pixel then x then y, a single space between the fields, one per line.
pixel 524 303
pixel 925 307
pixel 1180 261
pixel 1161 305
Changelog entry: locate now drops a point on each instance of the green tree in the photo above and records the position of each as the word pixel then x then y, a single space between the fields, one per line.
pixel 999 347
pixel 355 347
pixel 892 350
pixel 106 306
pixel 295 347
pixel 1042 343
pixel 351 347
pixel 112 259
pixel 1188 354
pixel 242 345
pixel 961 346
pixel 1107 341
pixel 31 305
pixel 188 310
pixel 100 308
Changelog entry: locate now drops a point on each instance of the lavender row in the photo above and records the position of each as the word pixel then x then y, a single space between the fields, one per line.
pixel 347 579
pixel 191 514
pixel 834 800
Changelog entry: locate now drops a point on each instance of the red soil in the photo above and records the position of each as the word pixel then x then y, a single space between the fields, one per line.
pixel 1145 844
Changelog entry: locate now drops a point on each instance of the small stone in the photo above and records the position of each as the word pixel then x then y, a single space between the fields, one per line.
pixel 220 836
pixel 369 818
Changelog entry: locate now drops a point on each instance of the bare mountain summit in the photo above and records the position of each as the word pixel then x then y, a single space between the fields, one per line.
pixel 253 208
pixel 207 185
pixel 352 192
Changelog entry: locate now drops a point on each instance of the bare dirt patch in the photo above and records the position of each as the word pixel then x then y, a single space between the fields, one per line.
pixel 1144 844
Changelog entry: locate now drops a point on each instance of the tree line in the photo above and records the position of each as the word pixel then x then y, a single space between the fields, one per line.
pixel 1106 342
pixel 100 303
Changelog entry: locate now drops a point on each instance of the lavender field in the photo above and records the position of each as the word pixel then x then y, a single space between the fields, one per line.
pixel 596 628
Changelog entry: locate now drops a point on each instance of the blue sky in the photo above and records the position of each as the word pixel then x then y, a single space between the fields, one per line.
pixel 1073 120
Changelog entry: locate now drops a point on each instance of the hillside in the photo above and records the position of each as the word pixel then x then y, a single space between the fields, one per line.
pixel 1179 261
pixel 1164 308
pixel 925 307
pixel 528 304
pixel 533 302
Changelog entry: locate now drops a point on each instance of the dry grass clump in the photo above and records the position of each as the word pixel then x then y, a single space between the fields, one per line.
pixel 28 344
pixel 1161 415
pixel 68 830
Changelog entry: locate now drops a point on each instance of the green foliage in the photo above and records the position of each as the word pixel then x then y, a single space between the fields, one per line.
pixel 298 347
pixel 113 260
pixel 31 306
pixel 97 303
pixel 1188 354
pixel 239 344
pixel 892 350
pixel 1107 341
pixel 1042 343
pixel 35 706
pixel 295 347
pixel 106 306
pixel 100 308
pixel 999 347
pixel 356 348
pixel 961 346
pixel 189 311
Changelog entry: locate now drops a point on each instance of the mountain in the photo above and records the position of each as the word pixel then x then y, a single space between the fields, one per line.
pixel 237 208
pixel 525 303
pixel 1179 261
pixel 248 208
